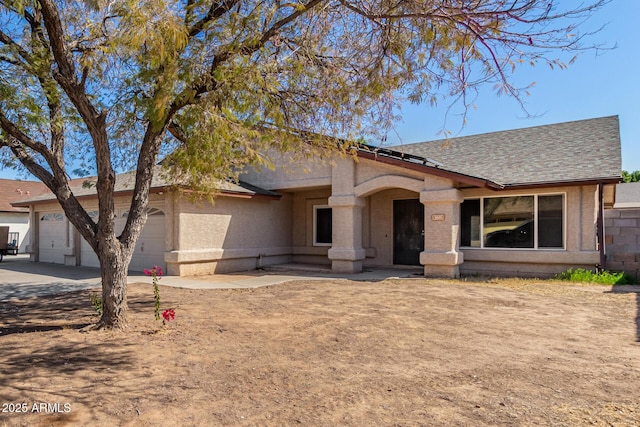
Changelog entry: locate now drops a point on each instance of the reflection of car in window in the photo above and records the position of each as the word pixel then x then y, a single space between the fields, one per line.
pixel 518 237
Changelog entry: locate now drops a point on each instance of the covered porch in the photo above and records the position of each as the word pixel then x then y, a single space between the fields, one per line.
pixel 372 214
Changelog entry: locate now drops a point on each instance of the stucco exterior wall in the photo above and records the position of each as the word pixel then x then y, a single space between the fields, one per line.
pixel 580 239
pixel 18 223
pixel 290 173
pixel 233 234
pixel 302 226
pixel 622 238
pixel 367 170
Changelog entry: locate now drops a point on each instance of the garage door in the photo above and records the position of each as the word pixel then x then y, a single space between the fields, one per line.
pixel 53 237
pixel 88 257
pixel 149 250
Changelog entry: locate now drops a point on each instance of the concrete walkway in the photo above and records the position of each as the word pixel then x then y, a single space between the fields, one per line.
pixel 20 278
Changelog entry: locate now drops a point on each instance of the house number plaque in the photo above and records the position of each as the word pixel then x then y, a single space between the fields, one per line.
pixel 437 217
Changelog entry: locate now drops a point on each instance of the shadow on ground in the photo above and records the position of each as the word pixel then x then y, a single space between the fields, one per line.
pixel 69 364
pixel 626 289
pixel 23 265
pixel 50 313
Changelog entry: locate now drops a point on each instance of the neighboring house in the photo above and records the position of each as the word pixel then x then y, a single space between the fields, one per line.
pixel 520 202
pixel 622 227
pixel 17 218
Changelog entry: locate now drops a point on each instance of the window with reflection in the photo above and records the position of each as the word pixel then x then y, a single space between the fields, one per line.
pixel 528 222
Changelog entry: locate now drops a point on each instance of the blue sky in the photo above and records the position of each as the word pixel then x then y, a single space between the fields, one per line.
pixel 594 86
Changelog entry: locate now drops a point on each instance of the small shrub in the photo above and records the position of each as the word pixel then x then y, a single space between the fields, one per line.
pixel 156 275
pixel 96 302
pixel 169 314
pixel 603 277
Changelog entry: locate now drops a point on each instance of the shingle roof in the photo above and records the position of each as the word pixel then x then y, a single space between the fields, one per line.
pixel 581 150
pixel 126 182
pixel 14 191
pixel 627 196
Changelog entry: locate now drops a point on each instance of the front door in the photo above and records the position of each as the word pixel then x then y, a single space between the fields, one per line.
pixel 408 231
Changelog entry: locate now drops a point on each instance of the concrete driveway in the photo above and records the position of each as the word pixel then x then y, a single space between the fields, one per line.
pixel 20 278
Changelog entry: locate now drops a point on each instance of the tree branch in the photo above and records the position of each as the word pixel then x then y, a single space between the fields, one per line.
pixel 11 129
pixel 177 132
pixel 83 223
pixel 216 10
pixel 95 121
pixel 24 54
pixel 27 160
pixel 205 82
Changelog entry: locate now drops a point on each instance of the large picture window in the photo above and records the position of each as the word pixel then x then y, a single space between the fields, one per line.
pixel 529 222
pixel 322 227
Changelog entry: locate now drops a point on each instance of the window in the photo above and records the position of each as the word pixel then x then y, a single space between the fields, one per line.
pixel 529 222
pixel 470 223
pixel 322 217
pixel 150 212
pixel 52 217
pixel 550 221
pixel 508 222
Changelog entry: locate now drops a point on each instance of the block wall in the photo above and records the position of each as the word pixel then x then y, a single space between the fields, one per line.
pixel 622 239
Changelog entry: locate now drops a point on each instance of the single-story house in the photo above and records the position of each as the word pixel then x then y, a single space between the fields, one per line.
pixel 17 218
pixel 520 202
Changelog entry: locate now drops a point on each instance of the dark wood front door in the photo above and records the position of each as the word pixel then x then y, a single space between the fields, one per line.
pixel 408 231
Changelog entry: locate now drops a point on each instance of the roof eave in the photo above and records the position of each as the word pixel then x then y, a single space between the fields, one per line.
pixel 239 194
pixel 14 211
pixel 565 183
pixel 153 190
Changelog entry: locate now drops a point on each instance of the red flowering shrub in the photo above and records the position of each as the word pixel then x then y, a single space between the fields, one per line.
pixel 169 314
pixel 155 274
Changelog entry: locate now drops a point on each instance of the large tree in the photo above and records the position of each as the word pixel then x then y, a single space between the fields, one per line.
pixel 216 83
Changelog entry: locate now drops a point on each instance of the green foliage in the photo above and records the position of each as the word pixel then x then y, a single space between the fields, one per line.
pixel 221 72
pixel 602 277
pixel 631 176
pixel 96 302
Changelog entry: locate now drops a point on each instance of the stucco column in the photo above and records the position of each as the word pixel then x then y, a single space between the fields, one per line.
pixel 441 256
pixel 346 253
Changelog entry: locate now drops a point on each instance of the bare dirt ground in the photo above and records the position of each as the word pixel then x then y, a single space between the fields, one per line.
pixel 393 353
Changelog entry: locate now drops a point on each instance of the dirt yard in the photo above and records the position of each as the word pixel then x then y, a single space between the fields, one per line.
pixel 392 353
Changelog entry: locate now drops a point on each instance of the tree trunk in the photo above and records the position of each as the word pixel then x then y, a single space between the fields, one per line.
pixel 113 268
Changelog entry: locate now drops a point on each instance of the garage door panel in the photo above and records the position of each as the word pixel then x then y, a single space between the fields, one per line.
pixel 149 249
pixel 88 257
pixel 52 237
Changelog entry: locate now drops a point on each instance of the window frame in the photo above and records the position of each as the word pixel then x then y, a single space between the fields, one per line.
pixel 535 222
pixel 315 225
